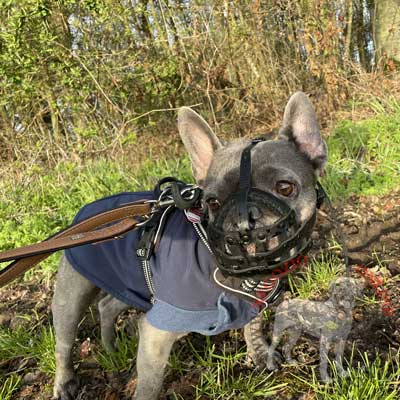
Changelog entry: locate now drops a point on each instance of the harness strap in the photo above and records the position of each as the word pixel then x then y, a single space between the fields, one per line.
pixel 84 232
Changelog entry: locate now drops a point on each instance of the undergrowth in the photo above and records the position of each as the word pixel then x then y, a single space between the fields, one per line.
pixel 364 156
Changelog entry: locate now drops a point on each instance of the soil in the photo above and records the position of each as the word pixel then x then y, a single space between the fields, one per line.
pixel 371 226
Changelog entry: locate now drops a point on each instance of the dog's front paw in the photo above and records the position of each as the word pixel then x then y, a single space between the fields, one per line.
pixel 256 360
pixel 263 359
pixel 274 360
pixel 67 390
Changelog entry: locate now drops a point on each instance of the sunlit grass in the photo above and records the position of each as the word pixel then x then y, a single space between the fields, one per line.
pixel 26 344
pixel 316 277
pixel 363 156
pixel 124 356
pixel 376 379
pixel 8 386
pixel 223 376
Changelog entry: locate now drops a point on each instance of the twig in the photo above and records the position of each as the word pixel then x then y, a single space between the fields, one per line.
pixel 158 110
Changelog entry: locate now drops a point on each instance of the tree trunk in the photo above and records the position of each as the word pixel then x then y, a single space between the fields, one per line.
pixel 387 30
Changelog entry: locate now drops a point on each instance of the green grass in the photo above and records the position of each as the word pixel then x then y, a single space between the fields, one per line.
pixel 364 157
pixel 8 386
pixel 25 344
pixel 223 377
pixel 124 356
pixel 368 380
pixel 316 277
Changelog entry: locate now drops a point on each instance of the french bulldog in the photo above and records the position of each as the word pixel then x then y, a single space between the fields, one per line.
pixel 287 167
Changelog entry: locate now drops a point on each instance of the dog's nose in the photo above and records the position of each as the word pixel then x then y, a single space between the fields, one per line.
pixel 254 213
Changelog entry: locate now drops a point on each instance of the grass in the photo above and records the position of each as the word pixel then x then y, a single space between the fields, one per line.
pixel 124 356
pixel 364 156
pixel 315 279
pixel 24 344
pixel 223 377
pixel 8 386
pixel 368 380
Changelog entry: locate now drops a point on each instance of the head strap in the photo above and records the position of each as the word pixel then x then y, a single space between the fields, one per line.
pixel 244 186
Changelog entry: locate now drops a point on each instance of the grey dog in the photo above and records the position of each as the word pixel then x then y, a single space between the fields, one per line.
pixel 294 159
pixel 330 321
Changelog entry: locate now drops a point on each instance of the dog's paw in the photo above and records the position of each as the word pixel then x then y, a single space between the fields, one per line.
pixel 262 360
pixel 257 361
pixel 66 391
pixel 274 361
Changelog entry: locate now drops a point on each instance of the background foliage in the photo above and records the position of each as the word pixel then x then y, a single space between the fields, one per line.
pixel 79 77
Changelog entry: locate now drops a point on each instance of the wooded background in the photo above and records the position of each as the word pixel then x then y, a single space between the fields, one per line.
pixel 86 76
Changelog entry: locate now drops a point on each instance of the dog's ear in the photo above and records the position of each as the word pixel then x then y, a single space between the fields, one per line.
pixel 199 139
pixel 301 126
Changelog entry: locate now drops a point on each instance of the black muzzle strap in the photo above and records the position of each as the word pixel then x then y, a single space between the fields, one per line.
pixel 244 187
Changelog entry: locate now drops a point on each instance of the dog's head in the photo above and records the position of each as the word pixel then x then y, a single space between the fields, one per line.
pixel 344 290
pixel 286 169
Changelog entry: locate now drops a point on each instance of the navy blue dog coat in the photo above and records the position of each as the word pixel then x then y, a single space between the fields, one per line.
pixel 186 298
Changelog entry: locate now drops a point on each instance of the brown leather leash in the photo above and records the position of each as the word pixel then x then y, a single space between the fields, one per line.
pixel 91 230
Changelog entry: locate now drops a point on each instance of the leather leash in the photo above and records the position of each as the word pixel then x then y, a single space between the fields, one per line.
pixel 85 232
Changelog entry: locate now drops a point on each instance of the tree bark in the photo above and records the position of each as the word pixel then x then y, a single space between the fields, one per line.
pixel 387 30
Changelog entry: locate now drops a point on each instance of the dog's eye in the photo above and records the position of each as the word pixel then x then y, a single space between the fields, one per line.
pixel 285 188
pixel 214 204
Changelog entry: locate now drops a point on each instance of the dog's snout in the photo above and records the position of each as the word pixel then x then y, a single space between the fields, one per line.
pixel 255 213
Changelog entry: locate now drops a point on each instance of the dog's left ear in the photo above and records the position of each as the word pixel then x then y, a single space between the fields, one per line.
pixel 301 126
pixel 199 139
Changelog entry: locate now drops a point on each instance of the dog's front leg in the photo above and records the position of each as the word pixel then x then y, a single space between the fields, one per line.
pixel 257 346
pixel 153 353
pixel 258 351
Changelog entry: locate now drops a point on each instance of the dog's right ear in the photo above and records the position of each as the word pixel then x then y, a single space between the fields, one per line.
pixel 199 139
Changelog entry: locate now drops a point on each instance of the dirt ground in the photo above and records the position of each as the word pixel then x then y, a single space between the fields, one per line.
pixel 372 227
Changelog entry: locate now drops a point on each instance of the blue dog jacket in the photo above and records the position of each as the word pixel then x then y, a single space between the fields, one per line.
pixel 186 297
